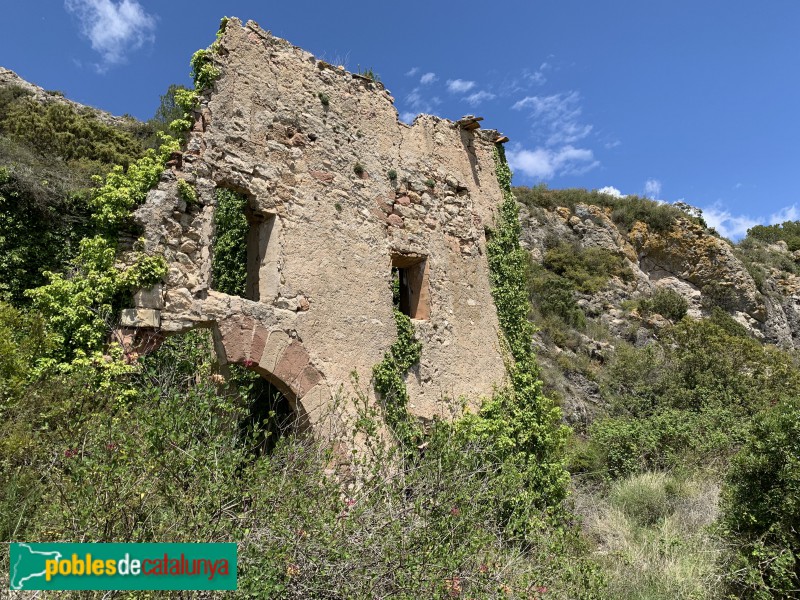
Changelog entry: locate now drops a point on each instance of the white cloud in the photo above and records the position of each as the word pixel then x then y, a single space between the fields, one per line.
pixel 787 213
pixel 728 225
pixel 735 227
pixel 421 104
pixel 428 78
pixel 459 86
pixel 610 190
pixel 537 77
pixel 478 97
pixel 652 188
pixel 557 116
pixel 408 117
pixel 412 71
pixel 115 29
pixel 545 163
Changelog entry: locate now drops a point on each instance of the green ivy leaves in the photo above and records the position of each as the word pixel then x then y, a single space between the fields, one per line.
pixel 388 380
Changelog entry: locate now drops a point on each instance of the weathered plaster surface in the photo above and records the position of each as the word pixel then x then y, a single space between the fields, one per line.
pixel 263 130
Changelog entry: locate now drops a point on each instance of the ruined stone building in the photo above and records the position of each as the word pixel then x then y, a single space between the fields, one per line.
pixel 311 146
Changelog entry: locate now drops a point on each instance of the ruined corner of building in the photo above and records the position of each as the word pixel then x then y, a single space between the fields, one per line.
pixel 340 195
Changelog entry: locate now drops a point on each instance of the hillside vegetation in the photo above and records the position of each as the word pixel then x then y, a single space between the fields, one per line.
pixel 647 444
pixel 679 460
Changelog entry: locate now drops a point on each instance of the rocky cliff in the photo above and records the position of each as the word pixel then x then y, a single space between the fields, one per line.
pixel 667 261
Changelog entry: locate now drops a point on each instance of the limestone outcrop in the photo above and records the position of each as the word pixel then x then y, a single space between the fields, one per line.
pixel 311 147
pixel 705 270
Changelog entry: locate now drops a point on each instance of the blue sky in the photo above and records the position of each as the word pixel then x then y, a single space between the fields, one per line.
pixel 676 100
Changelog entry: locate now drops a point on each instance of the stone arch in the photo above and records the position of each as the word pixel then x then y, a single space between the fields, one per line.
pixel 280 359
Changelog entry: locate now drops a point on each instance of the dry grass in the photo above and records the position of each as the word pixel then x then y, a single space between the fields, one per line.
pixel 652 538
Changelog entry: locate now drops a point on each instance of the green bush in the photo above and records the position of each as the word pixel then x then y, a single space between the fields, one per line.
pixel 788 231
pixel 714 294
pixel 229 258
pixel 589 269
pixel 49 155
pixel 158 454
pixel 761 507
pixel 554 295
pixel 58 129
pixel 687 398
pixel 624 211
pixel 665 302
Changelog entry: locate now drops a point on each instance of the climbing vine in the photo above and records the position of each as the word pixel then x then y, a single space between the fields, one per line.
pixel 388 380
pixel 122 190
pixel 519 425
pixel 80 304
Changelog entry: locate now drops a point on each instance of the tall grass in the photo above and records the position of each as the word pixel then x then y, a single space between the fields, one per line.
pixel 652 536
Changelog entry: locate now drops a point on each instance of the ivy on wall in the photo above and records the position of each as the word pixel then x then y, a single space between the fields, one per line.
pixel 388 380
pixel 519 426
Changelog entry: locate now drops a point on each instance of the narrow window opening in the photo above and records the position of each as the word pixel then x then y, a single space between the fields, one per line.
pixel 410 289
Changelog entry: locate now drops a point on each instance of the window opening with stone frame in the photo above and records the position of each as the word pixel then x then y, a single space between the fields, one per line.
pixel 244 257
pixel 410 287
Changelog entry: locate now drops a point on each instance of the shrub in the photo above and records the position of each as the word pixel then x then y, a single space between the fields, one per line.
pixel 358 169
pixel 229 259
pixel 788 231
pixel 58 129
pixel 666 302
pixel 187 192
pixel 686 398
pixel 625 211
pixel 324 98
pixel 555 295
pixel 131 463
pixel 717 295
pixel 588 268
pixel 761 506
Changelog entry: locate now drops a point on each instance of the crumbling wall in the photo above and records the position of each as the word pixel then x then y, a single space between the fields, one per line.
pixel 311 146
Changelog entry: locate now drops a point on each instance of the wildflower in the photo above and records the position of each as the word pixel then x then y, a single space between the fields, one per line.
pixel 248 363
pixel 292 570
pixel 455 511
pixel 453 586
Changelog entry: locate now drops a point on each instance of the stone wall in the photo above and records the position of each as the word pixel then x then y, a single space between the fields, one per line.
pixel 288 130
